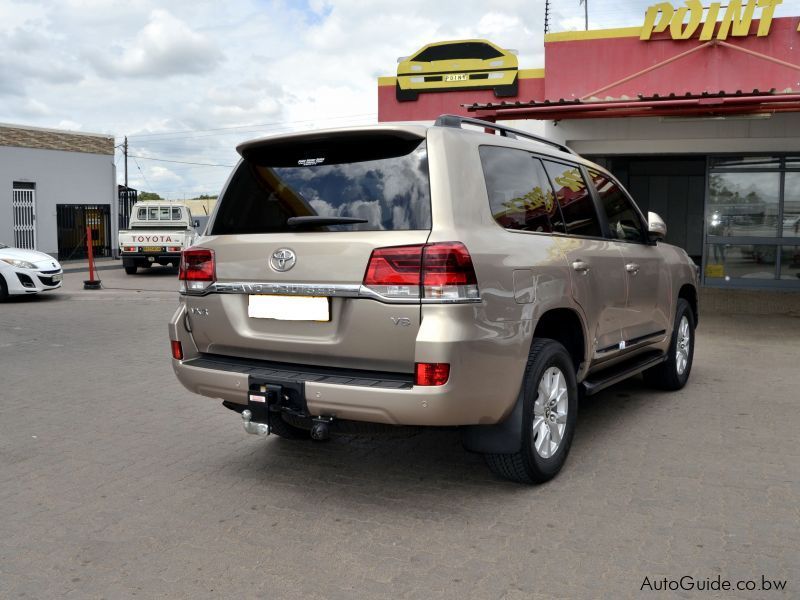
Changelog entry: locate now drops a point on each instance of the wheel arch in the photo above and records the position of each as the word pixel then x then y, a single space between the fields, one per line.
pixel 689 293
pixel 558 323
pixel 566 326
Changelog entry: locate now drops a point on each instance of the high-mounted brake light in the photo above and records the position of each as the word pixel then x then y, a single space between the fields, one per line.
pixel 431 373
pixel 441 271
pixel 197 270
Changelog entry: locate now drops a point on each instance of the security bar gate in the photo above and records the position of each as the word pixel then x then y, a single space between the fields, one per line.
pixel 73 219
pixel 24 208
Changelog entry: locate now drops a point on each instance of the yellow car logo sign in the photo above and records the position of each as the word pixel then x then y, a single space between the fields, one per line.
pixel 458 65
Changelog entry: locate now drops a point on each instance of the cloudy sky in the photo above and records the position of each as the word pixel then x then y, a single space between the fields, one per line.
pixel 186 80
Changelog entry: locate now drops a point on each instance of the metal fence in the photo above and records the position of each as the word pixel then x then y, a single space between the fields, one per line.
pixel 72 221
pixel 127 198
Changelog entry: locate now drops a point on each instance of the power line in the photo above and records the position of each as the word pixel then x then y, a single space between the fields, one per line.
pixel 140 171
pixel 180 162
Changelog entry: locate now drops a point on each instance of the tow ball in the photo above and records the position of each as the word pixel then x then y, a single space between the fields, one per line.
pixel 251 426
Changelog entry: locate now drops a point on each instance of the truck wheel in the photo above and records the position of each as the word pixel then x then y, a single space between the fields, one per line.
pixel 549 413
pixel 673 373
pixel 131 270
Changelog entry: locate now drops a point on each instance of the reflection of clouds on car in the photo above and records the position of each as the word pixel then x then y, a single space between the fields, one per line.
pixel 386 198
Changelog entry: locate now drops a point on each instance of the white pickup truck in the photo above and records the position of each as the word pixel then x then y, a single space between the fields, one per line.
pixel 158 232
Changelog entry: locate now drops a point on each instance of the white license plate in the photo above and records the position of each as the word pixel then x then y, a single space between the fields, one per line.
pixel 456 77
pixel 289 308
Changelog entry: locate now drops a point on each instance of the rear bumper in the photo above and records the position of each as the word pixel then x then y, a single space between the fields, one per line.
pixel 145 257
pixel 486 368
pixel 356 395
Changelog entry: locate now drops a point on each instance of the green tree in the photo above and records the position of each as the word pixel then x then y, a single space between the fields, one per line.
pixel 149 196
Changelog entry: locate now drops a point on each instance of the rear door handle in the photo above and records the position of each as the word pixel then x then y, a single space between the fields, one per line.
pixel 632 268
pixel 581 267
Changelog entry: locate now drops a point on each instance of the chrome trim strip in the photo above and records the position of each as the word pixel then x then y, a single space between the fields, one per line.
pixel 331 290
pixel 285 289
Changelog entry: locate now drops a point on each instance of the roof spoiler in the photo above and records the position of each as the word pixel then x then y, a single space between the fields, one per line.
pixel 457 121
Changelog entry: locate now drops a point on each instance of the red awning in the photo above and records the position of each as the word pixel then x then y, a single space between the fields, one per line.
pixel 706 104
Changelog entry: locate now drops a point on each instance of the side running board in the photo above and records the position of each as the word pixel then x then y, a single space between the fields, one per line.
pixel 608 377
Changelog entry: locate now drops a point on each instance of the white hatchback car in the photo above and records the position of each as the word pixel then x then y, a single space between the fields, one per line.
pixel 27 272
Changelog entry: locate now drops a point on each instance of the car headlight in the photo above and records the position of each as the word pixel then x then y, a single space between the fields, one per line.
pixel 22 264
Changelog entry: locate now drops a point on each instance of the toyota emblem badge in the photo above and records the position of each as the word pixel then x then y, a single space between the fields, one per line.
pixel 282 259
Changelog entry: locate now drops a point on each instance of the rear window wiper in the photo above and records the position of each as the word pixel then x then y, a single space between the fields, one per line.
pixel 316 221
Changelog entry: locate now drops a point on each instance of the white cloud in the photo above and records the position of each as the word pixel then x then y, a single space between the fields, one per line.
pixel 144 67
pixel 165 46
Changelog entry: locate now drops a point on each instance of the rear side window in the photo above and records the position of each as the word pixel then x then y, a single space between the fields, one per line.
pixel 462 51
pixel 520 196
pixel 176 214
pixel 141 214
pixel 623 219
pixel 381 178
pixel 574 199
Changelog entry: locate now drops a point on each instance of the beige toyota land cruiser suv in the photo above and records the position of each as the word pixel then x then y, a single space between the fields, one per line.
pixel 464 274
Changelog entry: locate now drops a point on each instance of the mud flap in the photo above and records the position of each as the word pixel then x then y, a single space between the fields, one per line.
pixel 502 438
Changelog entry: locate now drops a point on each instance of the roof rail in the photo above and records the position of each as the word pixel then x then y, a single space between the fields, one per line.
pixel 457 120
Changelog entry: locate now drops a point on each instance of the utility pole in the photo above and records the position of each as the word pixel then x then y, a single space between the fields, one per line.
pixel 586 14
pixel 125 151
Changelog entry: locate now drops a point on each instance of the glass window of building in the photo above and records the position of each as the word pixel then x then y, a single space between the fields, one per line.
pixel 753 209
pixel 743 204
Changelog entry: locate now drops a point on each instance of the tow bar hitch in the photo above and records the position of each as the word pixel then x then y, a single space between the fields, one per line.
pixel 251 426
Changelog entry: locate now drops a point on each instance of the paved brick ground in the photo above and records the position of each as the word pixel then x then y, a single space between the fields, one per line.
pixel 117 483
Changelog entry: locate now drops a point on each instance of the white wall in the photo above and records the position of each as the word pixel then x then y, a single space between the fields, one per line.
pixel 780 133
pixel 60 178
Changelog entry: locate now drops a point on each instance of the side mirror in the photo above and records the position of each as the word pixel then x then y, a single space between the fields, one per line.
pixel 196 223
pixel 656 228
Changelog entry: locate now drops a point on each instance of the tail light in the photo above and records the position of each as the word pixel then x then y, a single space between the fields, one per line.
pixel 129 248
pixel 395 272
pixel 448 273
pixel 177 350
pixel 197 270
pixel 173 248
pixel 431 373
pixel 436 272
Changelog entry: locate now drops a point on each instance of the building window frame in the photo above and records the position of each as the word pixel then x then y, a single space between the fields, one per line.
pixel 778 241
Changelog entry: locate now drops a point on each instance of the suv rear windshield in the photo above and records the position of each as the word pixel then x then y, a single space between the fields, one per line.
pixel 381 178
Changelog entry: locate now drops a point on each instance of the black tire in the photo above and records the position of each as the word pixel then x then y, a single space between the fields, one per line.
pixel 3 289
pixel 288 432
pixel 527 465
pixel 131 270
pixel 666 375
pixel 404 95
